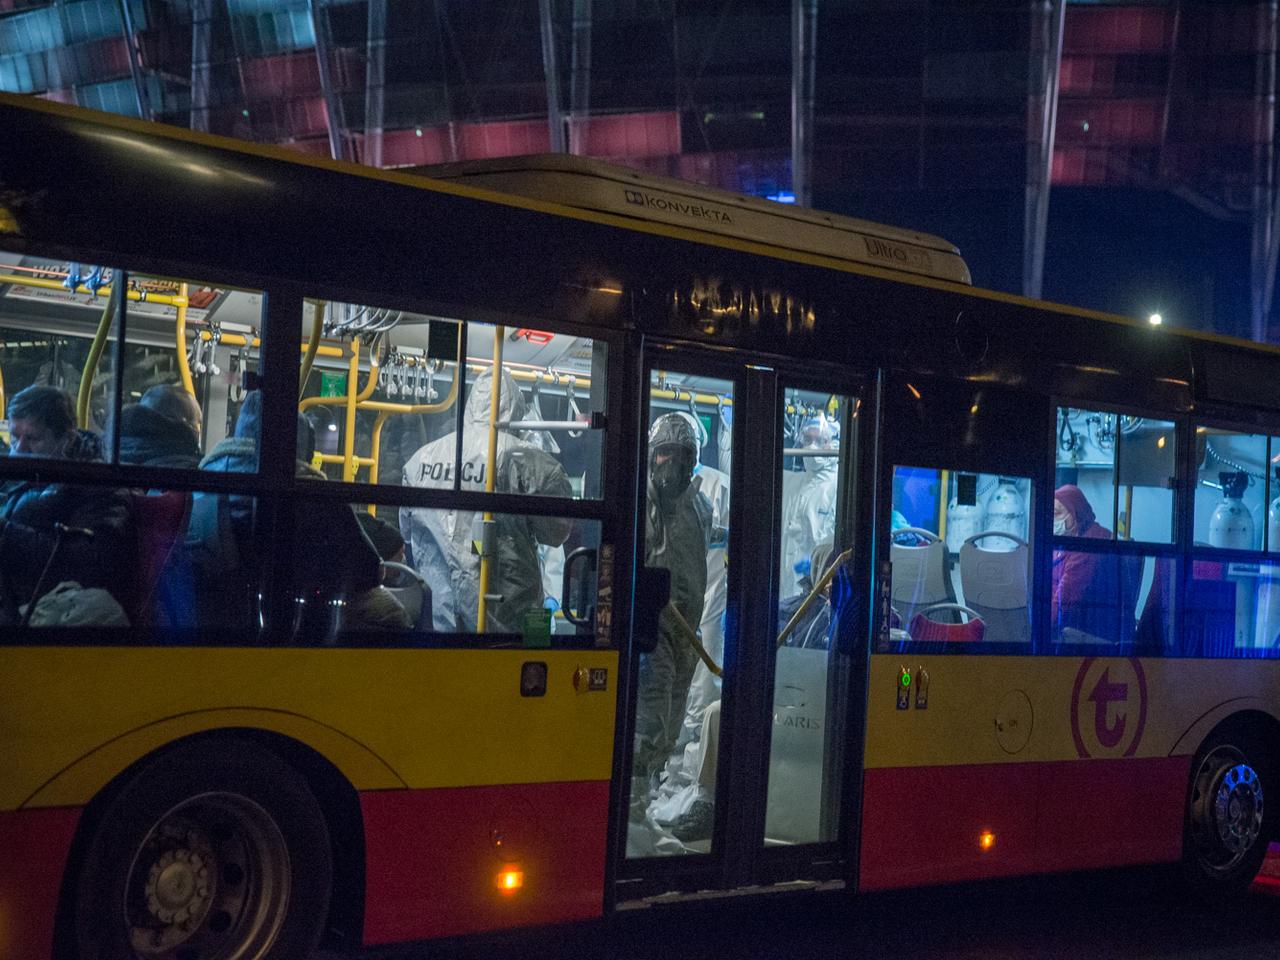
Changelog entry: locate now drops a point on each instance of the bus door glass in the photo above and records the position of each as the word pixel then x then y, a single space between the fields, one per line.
pixel 818 440
pixel 688 451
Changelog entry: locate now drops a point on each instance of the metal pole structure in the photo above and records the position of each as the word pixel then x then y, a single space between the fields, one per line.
pixel 1263 239
pixel 135 62
pixel 804 37
pixel 445 43
pixel 1051 15
pixel 57 79
pixel 1171 82
pixel 201 69
pixel 580 77
pixel 375 79
pixel 332 107
pixel 555 118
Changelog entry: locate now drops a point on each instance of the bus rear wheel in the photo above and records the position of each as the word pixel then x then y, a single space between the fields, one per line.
pixel 212 852
pixel 1227 824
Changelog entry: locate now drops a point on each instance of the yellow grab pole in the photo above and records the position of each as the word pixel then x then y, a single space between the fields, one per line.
pixel 184 367
pixel 317 321
pixel 95 354
pixel 349 441
pixel 495 401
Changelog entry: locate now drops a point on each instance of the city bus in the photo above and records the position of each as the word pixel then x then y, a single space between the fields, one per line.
pixel 398 555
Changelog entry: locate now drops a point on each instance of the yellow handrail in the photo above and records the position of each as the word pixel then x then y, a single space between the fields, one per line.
pixel 43 284
pixel 495 400
pixel 813 595
pixel 95 354
pixel 317 321
pixel 184 367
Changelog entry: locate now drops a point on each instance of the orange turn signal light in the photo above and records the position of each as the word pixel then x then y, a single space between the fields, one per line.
pixel 986 840
pixel 510 879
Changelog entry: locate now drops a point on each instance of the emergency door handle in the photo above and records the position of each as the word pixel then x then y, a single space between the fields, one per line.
pixel 585 616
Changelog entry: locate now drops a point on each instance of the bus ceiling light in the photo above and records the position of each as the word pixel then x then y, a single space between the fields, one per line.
pixel 1155 319
pixel 986 840
pixel 510 878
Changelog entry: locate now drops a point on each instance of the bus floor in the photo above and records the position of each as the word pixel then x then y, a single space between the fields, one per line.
pixel 1119 914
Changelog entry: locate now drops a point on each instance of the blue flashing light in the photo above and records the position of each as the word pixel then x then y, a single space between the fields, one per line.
pixel 782 196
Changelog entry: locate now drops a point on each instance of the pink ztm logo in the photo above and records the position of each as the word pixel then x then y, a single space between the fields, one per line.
pixel 1108 707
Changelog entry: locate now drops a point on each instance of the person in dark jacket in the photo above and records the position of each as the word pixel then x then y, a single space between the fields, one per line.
pixel 162 429
pixel 42 424
pixel 332 557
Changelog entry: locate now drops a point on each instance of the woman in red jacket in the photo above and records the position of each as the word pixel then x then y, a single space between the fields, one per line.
pixel 1085 585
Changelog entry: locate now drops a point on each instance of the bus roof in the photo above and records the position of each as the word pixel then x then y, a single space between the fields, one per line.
pixel 588 184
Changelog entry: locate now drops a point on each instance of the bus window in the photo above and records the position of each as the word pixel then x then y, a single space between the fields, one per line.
pixel 1123 466
pixel 531 575
pixel 51 313
pixel 381 392
pixel 1231 490
pixel 190 358
pixel 961 551
pixel 678 693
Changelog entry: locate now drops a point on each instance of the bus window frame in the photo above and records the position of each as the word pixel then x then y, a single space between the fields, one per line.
pixel 1175 550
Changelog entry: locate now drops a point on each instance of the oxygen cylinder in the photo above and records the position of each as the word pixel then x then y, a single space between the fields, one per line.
pixel 1266 631
pixel 1273 520
pixel 1231 524
pixel 963 519
pixel 1006 513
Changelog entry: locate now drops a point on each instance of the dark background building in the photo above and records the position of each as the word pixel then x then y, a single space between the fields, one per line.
pixel 1154 122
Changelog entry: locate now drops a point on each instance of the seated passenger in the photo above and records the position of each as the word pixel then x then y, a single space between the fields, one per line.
pixel 332 557
pixel 42 424
pixel 1085 585
pixel 162 429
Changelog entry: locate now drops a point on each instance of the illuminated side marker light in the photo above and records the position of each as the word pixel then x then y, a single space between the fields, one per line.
pixel 986 840
pixel 510 879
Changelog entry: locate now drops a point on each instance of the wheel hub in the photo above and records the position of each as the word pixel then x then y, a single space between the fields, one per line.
pixel 1237 808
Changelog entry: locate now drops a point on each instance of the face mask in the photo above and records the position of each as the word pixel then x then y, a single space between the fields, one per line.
pixel 1059 527
pixel 671 478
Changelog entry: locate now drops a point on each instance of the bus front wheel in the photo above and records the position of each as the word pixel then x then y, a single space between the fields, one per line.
pixel 1227 824
pixel 216 850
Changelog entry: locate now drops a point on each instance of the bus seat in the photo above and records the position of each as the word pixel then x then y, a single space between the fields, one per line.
pixel 1154 630
pixel 994 583
pixel 920 575
pixel 924 629
pixel 160 524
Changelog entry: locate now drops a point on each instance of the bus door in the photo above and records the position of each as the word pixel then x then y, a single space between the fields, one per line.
pixel 738 700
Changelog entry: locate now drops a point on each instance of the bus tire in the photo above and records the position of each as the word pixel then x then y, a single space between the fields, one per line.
pixel 1227 822
pixel 216 849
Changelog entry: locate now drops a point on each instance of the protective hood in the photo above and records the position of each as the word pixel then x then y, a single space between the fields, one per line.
pixel 1074 500
pixel 511 405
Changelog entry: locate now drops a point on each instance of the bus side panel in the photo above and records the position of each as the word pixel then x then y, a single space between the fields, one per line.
pixel 923 825
pixel 33 852
pixel 433 858
pixel 1111 813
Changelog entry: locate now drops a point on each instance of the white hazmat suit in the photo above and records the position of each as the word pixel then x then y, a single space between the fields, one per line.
pixel 442 541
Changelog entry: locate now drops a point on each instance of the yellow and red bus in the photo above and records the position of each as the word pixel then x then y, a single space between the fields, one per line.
pixel 398 640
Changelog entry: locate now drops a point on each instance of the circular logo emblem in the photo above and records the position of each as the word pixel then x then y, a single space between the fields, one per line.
pixel 1108 707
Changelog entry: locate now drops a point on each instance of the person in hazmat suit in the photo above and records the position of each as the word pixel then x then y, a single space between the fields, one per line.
pixel 677 533
pixel 810 516
pixel 441 541
pixel 681 768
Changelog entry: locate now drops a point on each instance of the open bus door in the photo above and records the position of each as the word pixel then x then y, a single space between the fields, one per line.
pixel 738 737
